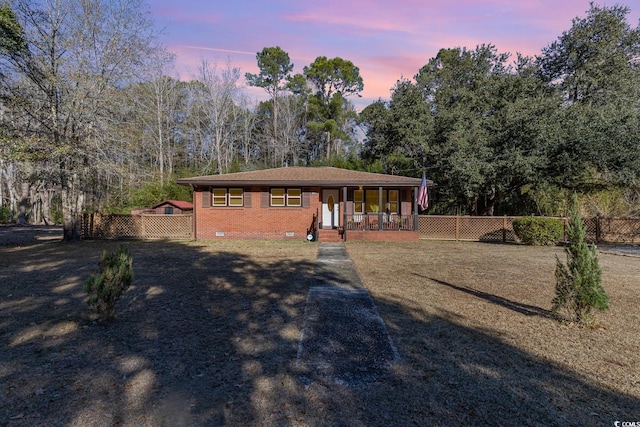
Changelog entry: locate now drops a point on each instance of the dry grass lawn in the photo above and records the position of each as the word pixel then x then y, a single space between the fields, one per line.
pixel 208 335
pixel 474 319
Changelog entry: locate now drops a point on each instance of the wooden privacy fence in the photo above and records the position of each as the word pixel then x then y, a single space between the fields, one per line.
pixel 99 226
pixel 500 229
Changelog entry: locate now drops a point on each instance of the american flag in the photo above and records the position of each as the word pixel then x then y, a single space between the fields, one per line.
pixel 423 196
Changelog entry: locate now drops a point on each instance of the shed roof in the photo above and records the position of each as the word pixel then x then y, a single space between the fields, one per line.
pixel 180 204
pixel 304 177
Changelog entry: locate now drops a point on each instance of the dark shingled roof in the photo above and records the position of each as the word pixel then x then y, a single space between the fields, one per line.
pixel 304 177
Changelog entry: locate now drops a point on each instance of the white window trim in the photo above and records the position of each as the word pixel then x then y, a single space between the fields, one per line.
pixel 297 198
pixel 356 201
pixel 240 197
pixel 227 198
pixel 285 198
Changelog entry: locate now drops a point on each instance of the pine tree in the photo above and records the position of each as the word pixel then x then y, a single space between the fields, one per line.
pixel 107 286
pixel 579 287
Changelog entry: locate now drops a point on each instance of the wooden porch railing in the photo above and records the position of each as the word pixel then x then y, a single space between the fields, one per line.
pixel 380 221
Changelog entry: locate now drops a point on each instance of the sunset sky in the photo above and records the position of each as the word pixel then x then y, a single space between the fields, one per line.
pixel 386 40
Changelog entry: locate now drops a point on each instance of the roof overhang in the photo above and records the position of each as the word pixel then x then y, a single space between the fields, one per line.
pixel 304 177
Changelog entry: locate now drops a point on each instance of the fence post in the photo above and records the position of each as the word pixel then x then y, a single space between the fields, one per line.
pixel 457 226
pixel 598 234
pixel 86 229
pixel 504 229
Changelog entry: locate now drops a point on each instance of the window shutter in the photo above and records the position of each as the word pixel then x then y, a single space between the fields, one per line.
pixel 247 197
pixel 206 197
pixel 264 197
pixel 306 199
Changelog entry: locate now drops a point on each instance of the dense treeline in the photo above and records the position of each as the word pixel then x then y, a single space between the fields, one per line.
pixel 515 138
pixel 92 120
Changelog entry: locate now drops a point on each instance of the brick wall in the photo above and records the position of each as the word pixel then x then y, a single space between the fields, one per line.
pixel 257 220
pixel 253 221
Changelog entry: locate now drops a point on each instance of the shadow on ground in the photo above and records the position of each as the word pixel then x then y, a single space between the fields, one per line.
pixel 18 235
pixel 193 337
pixel 208 336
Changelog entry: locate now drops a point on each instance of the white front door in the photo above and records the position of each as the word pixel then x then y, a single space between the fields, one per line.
pixel 330 208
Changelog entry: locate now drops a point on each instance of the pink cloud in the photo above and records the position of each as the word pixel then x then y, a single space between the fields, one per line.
pixel 386 40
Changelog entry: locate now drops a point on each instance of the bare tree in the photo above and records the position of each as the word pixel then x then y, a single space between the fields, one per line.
pixel 79 53
pixel 292 115
pixel 217 95
pixel 245 120
pixel 156 101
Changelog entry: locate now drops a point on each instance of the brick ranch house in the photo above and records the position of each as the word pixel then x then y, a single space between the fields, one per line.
pixel 323 203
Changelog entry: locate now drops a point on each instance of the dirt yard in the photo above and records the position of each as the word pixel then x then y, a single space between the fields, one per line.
pixel 208 335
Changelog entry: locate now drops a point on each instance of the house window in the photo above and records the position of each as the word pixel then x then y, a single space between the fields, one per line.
pixel 168 210
pixel 286 197
pixel 277 197
pixel 219 197
pixel 227 197
pixel 236 197
pixel 393 201
pixel 390 201
pixel 358 201
pixel 294 197
pixel 372 201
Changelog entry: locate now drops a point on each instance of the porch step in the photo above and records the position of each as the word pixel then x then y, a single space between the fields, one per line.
pixel 329 235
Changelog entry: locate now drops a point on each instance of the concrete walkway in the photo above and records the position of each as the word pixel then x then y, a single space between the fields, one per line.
pixel 343 338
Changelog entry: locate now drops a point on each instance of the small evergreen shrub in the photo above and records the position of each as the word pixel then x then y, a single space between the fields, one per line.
pixel 538 231
pixel 106 287
pixel 579 287
pixel 5 214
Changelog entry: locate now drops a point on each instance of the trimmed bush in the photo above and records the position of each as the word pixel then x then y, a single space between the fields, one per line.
pixel 106 287
pixel 538 231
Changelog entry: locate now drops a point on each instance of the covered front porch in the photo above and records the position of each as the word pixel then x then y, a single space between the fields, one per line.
pixel 369 213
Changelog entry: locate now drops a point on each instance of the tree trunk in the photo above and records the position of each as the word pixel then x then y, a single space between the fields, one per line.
pixel 1 184
pixel 9 172
pixel 24 201
pixel 72 204
pixel 46 205
pixel 36 204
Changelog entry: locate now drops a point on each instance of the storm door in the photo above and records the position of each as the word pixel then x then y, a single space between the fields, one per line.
pixel 330 208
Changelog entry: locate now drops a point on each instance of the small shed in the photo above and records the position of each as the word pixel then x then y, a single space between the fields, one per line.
pixel 172 207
